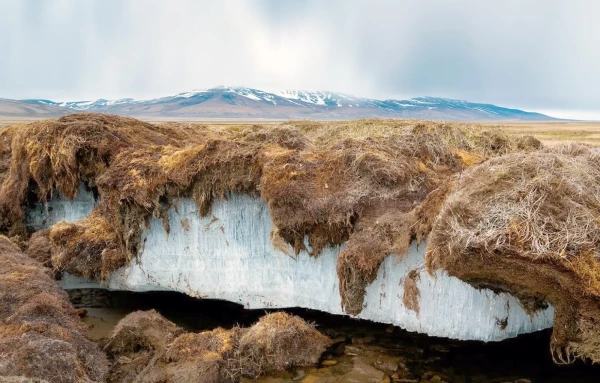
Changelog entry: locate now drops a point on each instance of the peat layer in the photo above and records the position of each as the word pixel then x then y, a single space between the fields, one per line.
pixel 500 211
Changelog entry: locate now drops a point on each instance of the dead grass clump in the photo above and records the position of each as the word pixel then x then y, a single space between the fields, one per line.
pixel 528 224
pixel 46 307
pixel 41 336
pixel 528 143
pixel 279 341
pixel 137 343
pixel 21 278
pixel 89 248
pixel 575 149
pixel 38 247
pixel 537 205
pixel 145 347
pixel 284 136
pixel 495 142
pixel 146 330
pixel 204 357
pixel 43 358
pixel 412 294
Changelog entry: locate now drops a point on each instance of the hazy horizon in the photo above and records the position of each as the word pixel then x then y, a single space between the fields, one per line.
pixel 537 56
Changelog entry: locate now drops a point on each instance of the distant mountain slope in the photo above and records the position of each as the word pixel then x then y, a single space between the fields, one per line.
pixel 30 109
pixel 239 102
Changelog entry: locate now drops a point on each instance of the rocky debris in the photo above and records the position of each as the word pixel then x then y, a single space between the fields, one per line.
pixel 88 298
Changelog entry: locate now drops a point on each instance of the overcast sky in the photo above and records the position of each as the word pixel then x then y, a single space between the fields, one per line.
pixel 539 55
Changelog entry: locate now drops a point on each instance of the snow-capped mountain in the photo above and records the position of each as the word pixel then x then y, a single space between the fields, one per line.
pixel 241 102
pixel 92 105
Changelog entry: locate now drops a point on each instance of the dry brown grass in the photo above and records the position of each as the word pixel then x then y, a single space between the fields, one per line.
pixel 41 336
pixel 278 342
pixel 137 343
pixel 145 347
pixel 204 357
pixel 38 247
pixel 528 223
pixel 553 133
pixel 412 295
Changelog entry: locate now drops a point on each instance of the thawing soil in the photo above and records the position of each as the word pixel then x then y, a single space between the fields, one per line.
pixel 363 183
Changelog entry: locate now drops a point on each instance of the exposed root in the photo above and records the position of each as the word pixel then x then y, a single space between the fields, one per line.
pixel 562 354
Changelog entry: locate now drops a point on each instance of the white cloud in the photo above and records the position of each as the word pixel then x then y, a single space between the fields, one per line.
pixel 537 54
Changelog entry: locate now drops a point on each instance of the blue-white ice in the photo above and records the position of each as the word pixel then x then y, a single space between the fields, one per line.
pixel 229 256
pixel 59 208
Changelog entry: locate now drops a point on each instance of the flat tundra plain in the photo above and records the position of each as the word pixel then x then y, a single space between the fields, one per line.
pixel 550 133
pixel 553 133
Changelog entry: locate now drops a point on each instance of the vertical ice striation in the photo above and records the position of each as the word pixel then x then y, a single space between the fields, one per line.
pixel 229 256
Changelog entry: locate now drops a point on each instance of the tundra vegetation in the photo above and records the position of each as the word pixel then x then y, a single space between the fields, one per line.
pixel 500 210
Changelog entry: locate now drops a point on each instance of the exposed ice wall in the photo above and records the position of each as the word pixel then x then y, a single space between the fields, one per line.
pixel 229 256
pixel 60 208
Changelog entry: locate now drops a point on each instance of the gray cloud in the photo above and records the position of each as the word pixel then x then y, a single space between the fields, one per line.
pixel 535 54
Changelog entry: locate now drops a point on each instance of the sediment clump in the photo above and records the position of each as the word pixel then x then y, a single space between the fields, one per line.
pixel 145 347
pixel 528 224
pixel 41 336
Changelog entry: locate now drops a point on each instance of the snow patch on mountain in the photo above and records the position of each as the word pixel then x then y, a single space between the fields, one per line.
pixel 87 105
pixel 296 103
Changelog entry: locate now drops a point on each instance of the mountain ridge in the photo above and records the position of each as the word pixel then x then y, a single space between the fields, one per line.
pixel 242 102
